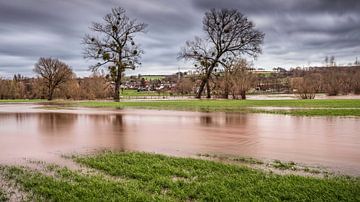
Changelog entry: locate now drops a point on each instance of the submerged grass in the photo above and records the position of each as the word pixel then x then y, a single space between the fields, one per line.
pixel 152 177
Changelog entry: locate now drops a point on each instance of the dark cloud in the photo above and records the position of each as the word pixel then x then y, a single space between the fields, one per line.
pixel 298 32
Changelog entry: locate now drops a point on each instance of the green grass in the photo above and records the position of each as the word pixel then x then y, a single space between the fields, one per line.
pixel 133 176
pixel 284 165
pixel 347 107
pixel 152 77
pixel 316 112
pixel 328 107
pixel 141 93
pixel 20 100
pixel 3 196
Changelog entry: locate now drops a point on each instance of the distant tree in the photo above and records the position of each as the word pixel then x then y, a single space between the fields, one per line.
pixel 184 86
pixel 53 73
pixel 326 60
pixel 229 34
pixel 142 82
pixel 241 78
pixel 114 45
pixel 332 61
pixel 307 86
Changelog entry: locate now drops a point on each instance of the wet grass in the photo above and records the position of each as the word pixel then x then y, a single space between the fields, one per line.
pixel 284 165
pixel 20 100
pixel 280 166
pixel 315 112
pixel 345 107
pixel 242 159
pixel 3 196
pixel 151 177
pixel 230 104
pixel 309 107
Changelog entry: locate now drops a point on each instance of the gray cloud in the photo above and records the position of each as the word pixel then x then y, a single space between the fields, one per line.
pixel 297 32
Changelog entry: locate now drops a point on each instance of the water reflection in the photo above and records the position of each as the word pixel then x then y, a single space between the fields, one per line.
pixel 55 123
pixel 333 142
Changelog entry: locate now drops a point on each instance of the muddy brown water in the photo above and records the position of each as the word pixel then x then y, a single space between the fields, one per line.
pixel 27 131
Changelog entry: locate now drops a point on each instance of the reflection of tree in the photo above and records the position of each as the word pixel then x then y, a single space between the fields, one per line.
pixel 236 119
pixel 224 119
pixel 116 121
pixel 19 117
pixel 55 123
pixel 111 129
pixel 206 120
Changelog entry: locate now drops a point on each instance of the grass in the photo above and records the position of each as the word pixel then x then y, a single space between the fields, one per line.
pixel 346 107
pixel 308 107
pixel 133 176
pixel 135 93
pixel 20 100
pixel 3 196
pixel 316 112
pixel 284 165
pixel 241 159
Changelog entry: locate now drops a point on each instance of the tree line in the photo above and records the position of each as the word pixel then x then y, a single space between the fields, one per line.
pixel 217 55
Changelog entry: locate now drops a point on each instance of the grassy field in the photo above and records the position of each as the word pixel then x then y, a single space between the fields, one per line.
pixel 346 107
pixel 152 77
pixel 20 100
pixel 130 176
pixel 135 93
pixel 302 107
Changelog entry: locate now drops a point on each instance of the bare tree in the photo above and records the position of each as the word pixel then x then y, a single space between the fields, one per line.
pixel 332 61
pixel 184 86
pixel 114 46
pixel 326 61
pixel 229 34
pixel 54 73
pixel 240 78
pixel 307 86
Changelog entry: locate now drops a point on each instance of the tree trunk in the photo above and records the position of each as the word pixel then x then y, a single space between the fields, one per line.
pixel 117 85
pixel 208 90
pixel 201 89
pixel 225 95
pixel 243 95
pixel 205 80
pixel 50 93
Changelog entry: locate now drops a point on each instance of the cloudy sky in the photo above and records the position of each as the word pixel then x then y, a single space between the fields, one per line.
pixel 297 32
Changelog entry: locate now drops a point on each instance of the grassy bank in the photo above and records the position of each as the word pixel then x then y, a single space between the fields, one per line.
pixel 305 107
pixel 149 177
pixel 346 107
pixel 20 100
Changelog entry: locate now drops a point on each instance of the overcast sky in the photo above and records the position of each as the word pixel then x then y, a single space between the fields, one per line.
pixel 297 32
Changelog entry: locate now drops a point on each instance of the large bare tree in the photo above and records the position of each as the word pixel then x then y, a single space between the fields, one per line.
pixel 113 45
pixel 228 34
pixel 53 73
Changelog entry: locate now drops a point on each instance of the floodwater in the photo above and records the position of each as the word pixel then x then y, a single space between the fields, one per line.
pixel 27 131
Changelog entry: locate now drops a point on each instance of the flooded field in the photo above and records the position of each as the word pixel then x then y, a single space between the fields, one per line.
pixel 28 131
